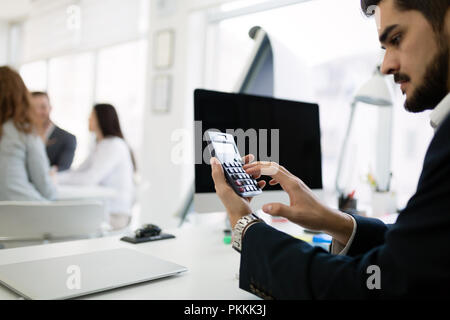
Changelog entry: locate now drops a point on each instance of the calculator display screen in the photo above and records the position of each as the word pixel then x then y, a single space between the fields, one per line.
pixel 224 151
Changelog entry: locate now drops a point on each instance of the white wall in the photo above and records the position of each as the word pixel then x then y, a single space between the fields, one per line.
pixel 3 43
pixel 170 182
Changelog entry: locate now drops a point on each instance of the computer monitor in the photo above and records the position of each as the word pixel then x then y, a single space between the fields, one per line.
pixel 286 132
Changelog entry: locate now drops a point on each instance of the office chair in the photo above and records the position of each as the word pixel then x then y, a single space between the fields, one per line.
pixel 25 223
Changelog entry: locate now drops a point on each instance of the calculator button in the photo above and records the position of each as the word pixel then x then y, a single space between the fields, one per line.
pixel 238 183
pixel 241 189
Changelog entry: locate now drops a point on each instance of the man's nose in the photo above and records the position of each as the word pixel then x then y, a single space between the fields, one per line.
pixel 391 63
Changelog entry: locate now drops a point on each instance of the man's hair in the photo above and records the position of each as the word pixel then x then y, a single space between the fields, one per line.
pixel 433 10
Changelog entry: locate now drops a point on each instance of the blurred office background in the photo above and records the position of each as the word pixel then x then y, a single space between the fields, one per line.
pixel 88 51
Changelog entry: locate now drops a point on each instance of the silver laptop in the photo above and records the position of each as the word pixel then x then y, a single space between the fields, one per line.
pixel 79 275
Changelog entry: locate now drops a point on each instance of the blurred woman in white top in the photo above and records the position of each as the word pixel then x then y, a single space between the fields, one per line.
pixel 111 165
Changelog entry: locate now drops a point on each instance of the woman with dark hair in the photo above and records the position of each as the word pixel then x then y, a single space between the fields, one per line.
pixel 24 166
pixel 111 165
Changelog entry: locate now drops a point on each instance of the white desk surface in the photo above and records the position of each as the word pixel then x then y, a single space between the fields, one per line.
pixel 212 265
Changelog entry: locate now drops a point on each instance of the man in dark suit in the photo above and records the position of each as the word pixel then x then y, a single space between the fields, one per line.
pixel 60 144
pixel 409 259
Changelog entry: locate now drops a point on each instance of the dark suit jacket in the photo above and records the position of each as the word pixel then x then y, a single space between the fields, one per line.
pixel 61 147
pixel 413 254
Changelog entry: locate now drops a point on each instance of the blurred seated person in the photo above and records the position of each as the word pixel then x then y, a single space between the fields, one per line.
pixel 24 166
pixel 60 144
pixel 111 165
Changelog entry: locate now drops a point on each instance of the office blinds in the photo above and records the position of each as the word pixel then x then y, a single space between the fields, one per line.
pixel 58 27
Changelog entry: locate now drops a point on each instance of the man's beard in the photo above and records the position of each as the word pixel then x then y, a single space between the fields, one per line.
pixel 434 86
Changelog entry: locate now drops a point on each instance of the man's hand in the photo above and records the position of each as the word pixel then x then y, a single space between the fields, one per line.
pixel 236 206
pixel 305 208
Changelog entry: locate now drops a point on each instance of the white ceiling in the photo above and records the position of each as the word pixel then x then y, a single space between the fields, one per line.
pixel 14 9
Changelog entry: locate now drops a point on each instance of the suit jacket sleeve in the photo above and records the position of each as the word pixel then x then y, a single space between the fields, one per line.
pixel 65 159
pixel 412 255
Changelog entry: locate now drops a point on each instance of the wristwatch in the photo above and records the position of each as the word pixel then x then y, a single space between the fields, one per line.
pixel 240 228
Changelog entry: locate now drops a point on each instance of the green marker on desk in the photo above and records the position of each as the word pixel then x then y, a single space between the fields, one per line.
pixel 227 237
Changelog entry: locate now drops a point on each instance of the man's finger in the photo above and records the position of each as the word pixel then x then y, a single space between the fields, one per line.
pixel 264 168
pixel 273 182
pixel 278 209
pixel 271 169
pixel 248 159
pixel 261 184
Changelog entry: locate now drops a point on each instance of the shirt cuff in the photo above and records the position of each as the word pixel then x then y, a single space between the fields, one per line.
pixel 340 249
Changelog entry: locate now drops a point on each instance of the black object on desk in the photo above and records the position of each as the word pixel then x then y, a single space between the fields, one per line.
pixel 135 240
pixel 347 202
pixel 147 233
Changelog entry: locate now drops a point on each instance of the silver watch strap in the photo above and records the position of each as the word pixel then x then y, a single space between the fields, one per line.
pixel 240 228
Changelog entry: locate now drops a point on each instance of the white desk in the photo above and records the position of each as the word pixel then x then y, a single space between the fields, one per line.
pixel 212 265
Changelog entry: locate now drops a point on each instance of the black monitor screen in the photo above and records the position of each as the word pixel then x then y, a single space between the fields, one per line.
pixel 286 132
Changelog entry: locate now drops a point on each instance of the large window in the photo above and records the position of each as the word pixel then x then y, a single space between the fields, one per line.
pixel 335 46
pixel 35 75
pixel 114 75
pixel 71 84
pixel 121 81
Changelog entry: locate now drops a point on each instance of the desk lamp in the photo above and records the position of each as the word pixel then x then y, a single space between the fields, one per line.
pixel 374 92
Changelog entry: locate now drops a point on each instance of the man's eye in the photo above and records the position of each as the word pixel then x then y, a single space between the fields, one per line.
pixel 395 41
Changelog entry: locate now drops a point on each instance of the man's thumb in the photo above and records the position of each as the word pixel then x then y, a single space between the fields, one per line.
pixel 217 172
pixel 277 209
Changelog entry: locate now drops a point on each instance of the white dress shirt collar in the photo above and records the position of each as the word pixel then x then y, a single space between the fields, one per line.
pixel 440 112
pixel 50 130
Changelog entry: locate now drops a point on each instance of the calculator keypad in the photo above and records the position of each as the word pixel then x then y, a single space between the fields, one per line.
pixel 242 181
